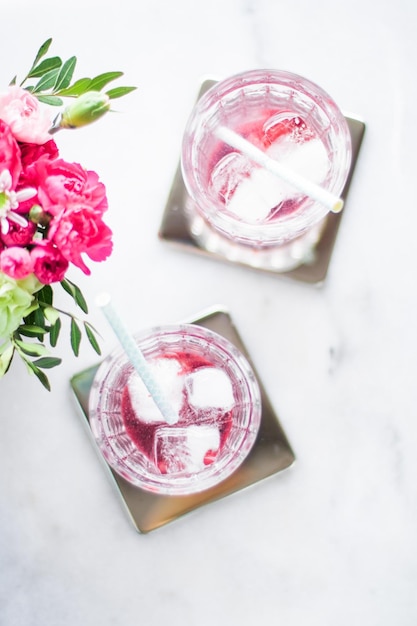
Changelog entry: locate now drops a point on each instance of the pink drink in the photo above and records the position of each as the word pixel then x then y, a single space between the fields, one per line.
pixel 211 388
pixel 240 210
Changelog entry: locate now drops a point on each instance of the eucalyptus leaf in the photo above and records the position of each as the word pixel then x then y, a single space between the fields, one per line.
pixel 102 80
pixel 46 294
pixel 92 338
pixel 76 293
pixel 51 314
pixel 6 359
pixel 45 66
pixel 47 81
pixel 39 374
pixel 31 349
pixel 118 92
pixel 37 318
pixel 82 85
pixel 80 300
pixel 75 337
pixel 52 100
pixel 65 74
pixel 42 51
pixel 68 286
pixel 54 333
pixel 47 362
pixel 29 330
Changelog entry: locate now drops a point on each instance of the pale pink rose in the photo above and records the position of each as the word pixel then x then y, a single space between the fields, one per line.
pixel 9 153
pixel 28 119
pixel 78 230
pixel 49 266
pixel 16 262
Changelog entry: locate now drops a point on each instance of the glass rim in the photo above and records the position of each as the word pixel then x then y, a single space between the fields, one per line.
pixel 165 483
pixel 233 227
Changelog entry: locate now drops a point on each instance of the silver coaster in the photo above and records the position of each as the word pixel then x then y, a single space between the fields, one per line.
pixel 174 227
pixel 270 454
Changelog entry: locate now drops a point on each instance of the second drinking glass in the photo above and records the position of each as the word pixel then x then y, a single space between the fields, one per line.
pixel 237 208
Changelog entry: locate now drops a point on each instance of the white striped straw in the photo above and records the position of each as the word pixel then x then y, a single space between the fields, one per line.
pixel 329 200
pixel 136 358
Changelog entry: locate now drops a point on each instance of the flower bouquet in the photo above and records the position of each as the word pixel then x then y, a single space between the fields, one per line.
pixel 51 211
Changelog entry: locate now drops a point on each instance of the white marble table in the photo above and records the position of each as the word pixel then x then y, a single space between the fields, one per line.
pixel 332 541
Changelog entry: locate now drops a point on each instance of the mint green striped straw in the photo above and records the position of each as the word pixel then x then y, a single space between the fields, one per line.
pixel 136 358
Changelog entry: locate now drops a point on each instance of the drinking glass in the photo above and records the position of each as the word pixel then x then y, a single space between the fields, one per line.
pixel 211 387
pixel 237 209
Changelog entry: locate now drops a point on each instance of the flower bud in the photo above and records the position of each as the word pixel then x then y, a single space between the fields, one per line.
pixel 38 216
pixel 87 108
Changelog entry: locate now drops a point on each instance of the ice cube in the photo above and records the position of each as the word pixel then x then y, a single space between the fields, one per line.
pixel 256 196
pixel 308 159
pixel 166 373
pixel 208 388
pixel 185 450
pixel 228 173
pixel 261 194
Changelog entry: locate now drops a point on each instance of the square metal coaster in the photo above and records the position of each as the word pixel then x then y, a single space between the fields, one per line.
pixel 174 227
pixel 270 454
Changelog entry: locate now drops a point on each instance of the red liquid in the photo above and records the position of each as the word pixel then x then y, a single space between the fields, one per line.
pixel 262 133
pixel 143 434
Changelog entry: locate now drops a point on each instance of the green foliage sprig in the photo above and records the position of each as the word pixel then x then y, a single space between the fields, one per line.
pixel 55 78
pixel 45 321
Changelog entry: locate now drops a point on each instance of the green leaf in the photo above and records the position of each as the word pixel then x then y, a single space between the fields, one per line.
pixel 92 338
pixel 68 286
pixel 54 333
pixel 29 330
pixel 76 293
pixel 36 318
pixel 13 81
pixel 39 374
pixel 77 89
pixel 5 359
pixel 75 337
pixel 45 66
pixel 42 51
pixel 47 362
pixel 31 349
pixel 102 80
pixel 66 73
pixel 51 314
pixel 80 300
pixel 47 81
pixel 46 294
pixel 52 100
pixel 118 92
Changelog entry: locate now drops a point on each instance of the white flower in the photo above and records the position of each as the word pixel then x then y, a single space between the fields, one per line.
pixel 9 201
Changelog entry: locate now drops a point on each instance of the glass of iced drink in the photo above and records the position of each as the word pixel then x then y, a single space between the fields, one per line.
pixel 238 209
pixel 214 394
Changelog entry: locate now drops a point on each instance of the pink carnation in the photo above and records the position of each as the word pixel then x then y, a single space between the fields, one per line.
pixel 16 262
pixel 80 229
pixel 49 266
pixel 61 184
pixel 18 235
pixel 9 153
pixel 28 119
pixel 30 154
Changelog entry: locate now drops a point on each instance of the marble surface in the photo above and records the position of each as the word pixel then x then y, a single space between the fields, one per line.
pixel 332 540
